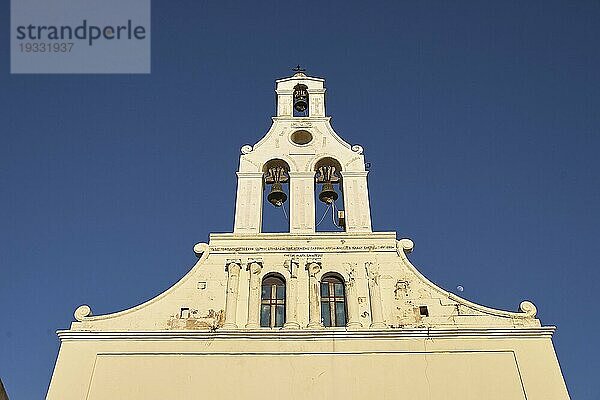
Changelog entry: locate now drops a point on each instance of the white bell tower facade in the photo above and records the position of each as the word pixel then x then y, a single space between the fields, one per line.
pixel 303 146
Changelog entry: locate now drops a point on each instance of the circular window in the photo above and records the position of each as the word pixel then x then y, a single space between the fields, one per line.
pixel 301 137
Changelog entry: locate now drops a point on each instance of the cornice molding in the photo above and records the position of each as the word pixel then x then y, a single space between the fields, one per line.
pixel 249 174
pixel 353 174
pixel 334 334
pixel 305 236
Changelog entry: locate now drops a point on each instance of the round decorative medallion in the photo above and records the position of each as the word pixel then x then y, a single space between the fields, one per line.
pixel 301 137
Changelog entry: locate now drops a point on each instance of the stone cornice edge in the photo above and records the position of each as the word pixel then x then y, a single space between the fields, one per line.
pixel 497 333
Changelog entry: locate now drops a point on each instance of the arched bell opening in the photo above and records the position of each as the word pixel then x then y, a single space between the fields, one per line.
pixel 276 192
pixel 300 97
pixel 329 200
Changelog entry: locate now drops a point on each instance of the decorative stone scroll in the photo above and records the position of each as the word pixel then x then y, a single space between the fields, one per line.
pixel 528 308
pixel 404 246
pixel 82 312
pixel 357 149
pixel 246 149
pixel 200 249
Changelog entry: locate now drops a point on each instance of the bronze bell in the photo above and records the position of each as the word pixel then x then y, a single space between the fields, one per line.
pixel 300 98
pixel 277 196
pixel 276 176
pixel 327 176
pixel 328 195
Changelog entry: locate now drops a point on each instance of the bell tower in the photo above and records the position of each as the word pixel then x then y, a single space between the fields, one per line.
pixel 302 150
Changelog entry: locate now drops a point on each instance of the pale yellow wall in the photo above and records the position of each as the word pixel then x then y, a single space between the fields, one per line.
pixel 231 367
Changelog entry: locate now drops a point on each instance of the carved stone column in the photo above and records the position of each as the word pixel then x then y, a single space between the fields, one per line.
pixel 291 301
pixel 352 300
pixel 375 296
pixel 314 307
pixel 254 267
pixel 233 279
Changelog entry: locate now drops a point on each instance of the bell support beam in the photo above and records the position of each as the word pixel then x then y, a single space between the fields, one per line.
pixel 356 201
pixel 302 204
pixel 316 102
pixel 284 103
pixel 248 204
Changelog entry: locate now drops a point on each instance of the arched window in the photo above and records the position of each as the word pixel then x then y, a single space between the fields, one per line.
pixel 272 303
pixel 333 301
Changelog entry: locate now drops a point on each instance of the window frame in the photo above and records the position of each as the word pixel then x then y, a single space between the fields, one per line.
pixel 275 300
pixel 332 300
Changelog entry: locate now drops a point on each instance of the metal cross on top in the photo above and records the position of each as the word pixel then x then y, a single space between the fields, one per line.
pixel 299 69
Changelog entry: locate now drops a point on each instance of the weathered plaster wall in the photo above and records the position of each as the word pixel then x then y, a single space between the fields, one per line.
pixel 198 301
pixel 416 365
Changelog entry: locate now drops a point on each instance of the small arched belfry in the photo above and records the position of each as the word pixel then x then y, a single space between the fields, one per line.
pixel 340 313
pixel 312 153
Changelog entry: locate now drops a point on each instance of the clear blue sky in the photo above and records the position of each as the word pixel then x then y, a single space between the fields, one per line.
pixel 481 120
